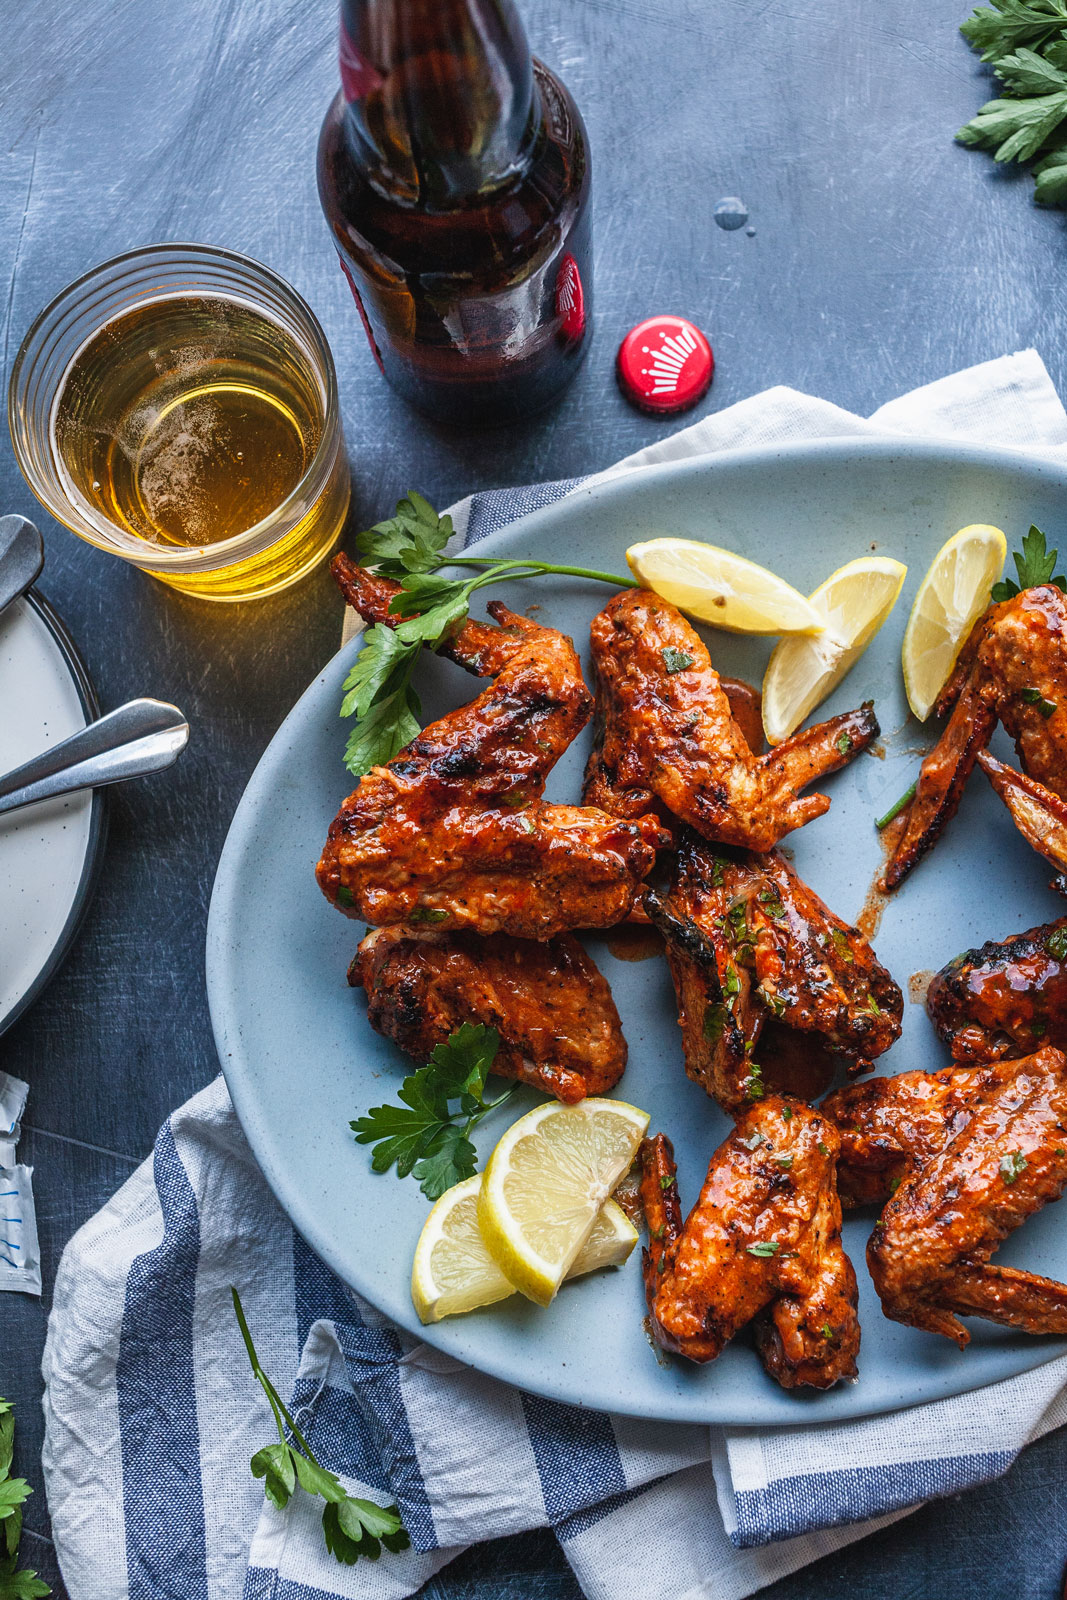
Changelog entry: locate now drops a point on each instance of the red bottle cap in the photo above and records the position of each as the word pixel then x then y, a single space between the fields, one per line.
pixel 665 364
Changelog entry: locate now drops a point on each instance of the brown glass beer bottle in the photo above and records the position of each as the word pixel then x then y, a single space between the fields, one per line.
pixel 454 173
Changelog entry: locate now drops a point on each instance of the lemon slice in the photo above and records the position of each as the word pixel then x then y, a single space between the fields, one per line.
pixel 454 1272
pixel 853 602
pixel 545 1182
pixel 722 588
pixel 950 600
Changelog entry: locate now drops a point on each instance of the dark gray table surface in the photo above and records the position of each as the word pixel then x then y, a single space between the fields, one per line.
pixel 884 256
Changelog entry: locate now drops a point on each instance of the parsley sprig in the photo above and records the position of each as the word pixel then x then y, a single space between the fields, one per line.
pixel 1025 43
pixel 410 548
pixel 351 1527
pixel 24 1585
pixel 444 1101
pixel 1035 563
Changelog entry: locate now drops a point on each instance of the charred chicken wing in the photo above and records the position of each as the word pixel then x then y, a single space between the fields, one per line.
pixel 762 1244
pixel 453 830
pixel 749 944
pixel 963 1156
pixel 1005 998
pixel 1013 669
pixel 665 732
pixel 558 1026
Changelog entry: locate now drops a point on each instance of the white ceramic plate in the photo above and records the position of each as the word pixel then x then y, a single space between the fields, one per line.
pixel 48 852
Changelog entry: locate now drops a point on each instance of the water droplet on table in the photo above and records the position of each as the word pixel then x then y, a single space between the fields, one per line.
pixel 750 233
pixel 730 213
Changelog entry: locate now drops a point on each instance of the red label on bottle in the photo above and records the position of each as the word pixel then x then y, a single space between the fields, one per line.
pixel 358 298
pixel 358 77
pixel 570 301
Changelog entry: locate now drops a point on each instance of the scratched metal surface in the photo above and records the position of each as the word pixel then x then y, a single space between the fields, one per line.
pixel 883 257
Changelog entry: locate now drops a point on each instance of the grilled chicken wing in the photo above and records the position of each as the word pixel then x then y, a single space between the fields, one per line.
pixel 762 1244
pixel 665 732
pixel 749 943
pixel 1013 669
pixel 1005 998
pixel 558 1026
pixel 962 1156
pixel 1039 815
pixel 453 830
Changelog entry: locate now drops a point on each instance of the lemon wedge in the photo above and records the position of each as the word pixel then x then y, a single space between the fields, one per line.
pixel 950 600
pixel 722 588
pixel 454 1272
pixel 545 1183
pixel 853 603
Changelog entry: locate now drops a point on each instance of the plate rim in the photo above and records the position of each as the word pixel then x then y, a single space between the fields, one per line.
pixel 98 813
pixel 224 906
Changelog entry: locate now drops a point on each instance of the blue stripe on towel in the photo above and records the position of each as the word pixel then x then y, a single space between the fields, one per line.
pixel 163 1502
pixel 791 1506
pixel 320 1294
pixel 577 1456
pixel 263 1583
pixel 372 1356
pixel 571 1527
pixel 496 508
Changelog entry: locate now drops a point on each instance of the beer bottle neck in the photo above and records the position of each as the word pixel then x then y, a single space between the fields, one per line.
pixel 439 96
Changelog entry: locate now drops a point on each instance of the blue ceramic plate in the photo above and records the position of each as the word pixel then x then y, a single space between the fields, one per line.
pixel 300 1059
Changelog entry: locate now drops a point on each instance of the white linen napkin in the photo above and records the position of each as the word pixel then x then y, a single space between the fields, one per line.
pixel 151 1415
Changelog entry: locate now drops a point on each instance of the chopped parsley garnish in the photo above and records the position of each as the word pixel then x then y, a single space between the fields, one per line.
pixel 732 983
pixel 1056 943
pixel 1038 1028
pixel 427 914
pixel 718 868
pixel 667 1180
pixel 675 660
pixel 410 549
pixel 895 1184
pixel 826 1331
pixel 765 1247
pixel 753 1083
pixel 344 895
pixel 1034 564
pixel 527 824
pixel 1034 697
pixel 754 1142
pixel 773 901
pixel 351 1527
pixel 844 743
pixel 785 1160
pixel 1011 1165
pixel 872 1005
pixel 841 944
pixel 787 1113
pixel 714 1021
pixel 737 917
pixel 897 807
pixel 822 1149
pixel 429 1135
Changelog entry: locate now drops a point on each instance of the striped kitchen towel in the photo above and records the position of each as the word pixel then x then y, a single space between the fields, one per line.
pixel 152 1413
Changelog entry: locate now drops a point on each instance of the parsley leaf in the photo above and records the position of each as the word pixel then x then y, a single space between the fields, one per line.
pixel 1012 1165
pixel 1034 564
pixel 765 1248
pixel 409 548
pixel 429 1134
pixel 350 1527
pixel 23 1584
pixel 1056 943
pixel 675 660
pixel 1025 41
pixel 1007 24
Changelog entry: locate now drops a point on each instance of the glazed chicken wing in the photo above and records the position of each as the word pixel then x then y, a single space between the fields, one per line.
pixel 762 1244
pixel 558 1026
pixel 1039 815
pixel 962 1156
pixel 665 732
pixel 1005 998
pixel 749 945
pixel 453 830
pixel 1013 669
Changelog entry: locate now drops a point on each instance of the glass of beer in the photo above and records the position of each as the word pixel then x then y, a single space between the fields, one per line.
pixel 178 407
